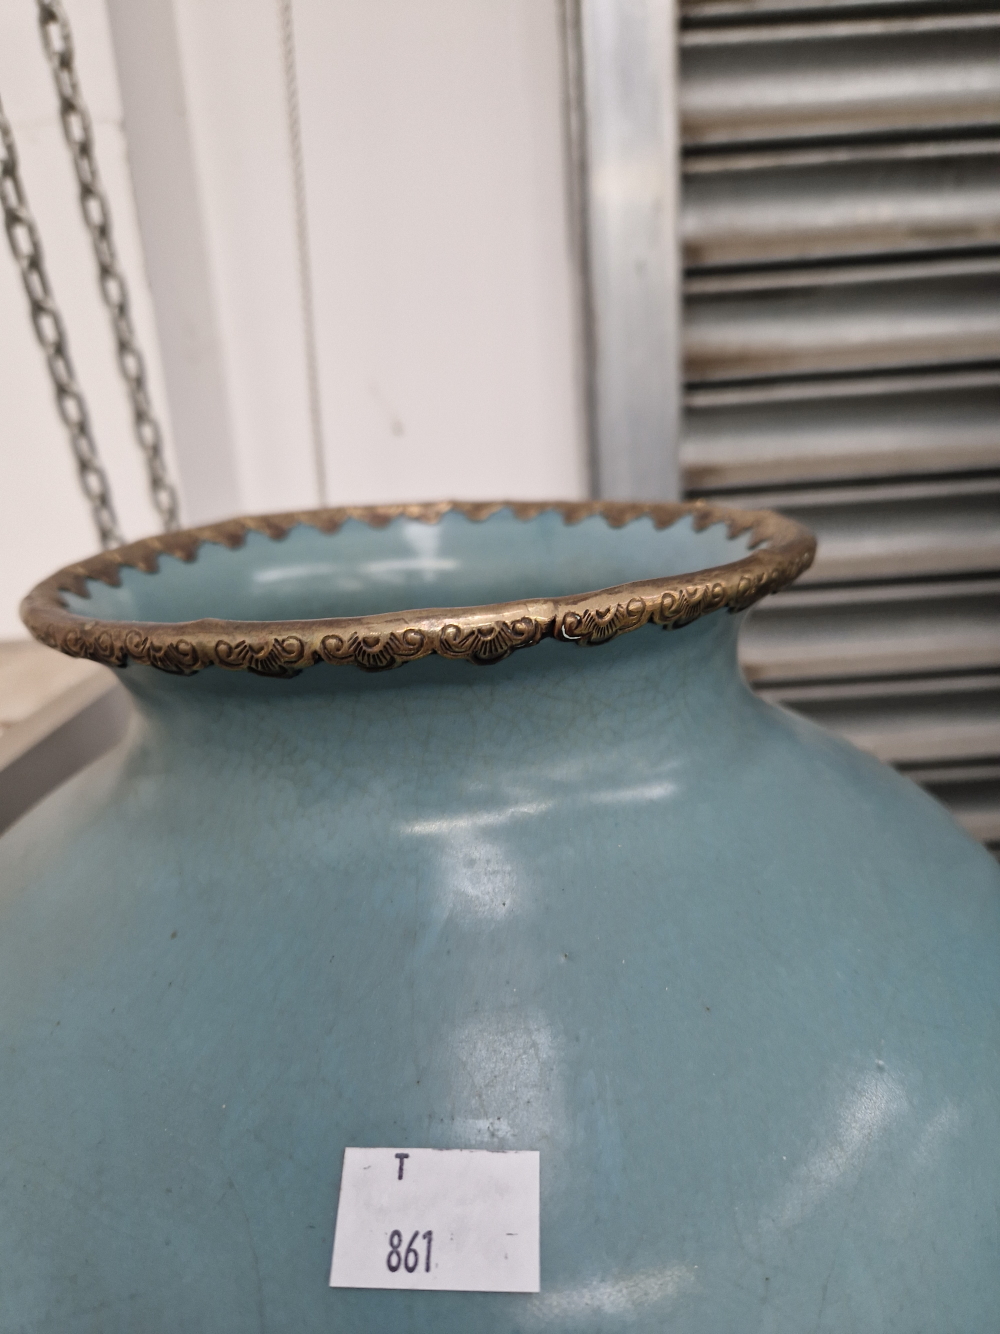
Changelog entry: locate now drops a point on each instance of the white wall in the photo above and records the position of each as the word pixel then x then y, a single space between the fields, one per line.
pixel 439 249
pixel 437 218
pixel 440 252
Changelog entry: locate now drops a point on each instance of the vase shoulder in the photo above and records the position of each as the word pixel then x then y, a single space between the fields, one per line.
pixel 735 982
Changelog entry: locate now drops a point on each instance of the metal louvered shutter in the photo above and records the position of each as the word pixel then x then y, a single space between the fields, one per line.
pixel 840 214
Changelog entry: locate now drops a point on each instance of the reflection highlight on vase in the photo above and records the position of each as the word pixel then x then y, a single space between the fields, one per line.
pixel 474 874
pixel 355 578
pixel 509 1081
pixel 647 1291
pixel 865 1113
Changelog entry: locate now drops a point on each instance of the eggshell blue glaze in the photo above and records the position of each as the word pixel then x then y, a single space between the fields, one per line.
pixel 736 981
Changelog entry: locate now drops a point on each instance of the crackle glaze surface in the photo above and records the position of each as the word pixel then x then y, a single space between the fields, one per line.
pixel 737 982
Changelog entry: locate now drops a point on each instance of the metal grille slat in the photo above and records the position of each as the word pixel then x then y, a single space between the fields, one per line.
pixel 886 82
pixel 735 11
pixel 852 208
pixel 760 157
pixel 974 803
pixel 824 27
pixel 803 637
pixel 880 326
pixel 896 532
pixel 831 439
pixel 918 722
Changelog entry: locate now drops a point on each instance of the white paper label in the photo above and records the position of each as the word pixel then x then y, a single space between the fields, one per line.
pixel 448 1220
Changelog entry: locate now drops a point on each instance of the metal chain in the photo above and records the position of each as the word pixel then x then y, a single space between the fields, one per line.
pixel 57 40
pixel 51 334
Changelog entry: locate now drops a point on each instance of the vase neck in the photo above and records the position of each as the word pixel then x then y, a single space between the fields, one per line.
pixel 621 686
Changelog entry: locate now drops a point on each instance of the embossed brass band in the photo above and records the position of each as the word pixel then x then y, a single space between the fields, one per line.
pixel 781 550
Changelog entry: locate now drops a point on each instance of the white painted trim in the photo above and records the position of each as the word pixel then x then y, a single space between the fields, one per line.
pixel 171 220
pixel 626 91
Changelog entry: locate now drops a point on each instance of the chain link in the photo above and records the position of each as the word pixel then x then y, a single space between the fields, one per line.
pixel 27 251
pixel 57 40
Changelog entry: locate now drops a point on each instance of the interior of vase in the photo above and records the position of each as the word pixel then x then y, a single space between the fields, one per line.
pixel 360 570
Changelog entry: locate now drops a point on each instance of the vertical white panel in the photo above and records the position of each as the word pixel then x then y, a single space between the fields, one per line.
pixel 440 251
pixel 207 121
pixel 172 219
pixel 47 522
pixel 231 55
pixel 627 62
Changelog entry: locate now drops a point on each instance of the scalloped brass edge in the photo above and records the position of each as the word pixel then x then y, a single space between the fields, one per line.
pixel 483 635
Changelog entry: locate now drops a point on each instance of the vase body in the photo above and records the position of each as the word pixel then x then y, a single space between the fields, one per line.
pixel 738 983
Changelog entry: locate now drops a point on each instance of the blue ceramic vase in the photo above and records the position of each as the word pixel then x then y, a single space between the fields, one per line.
pixel 559 882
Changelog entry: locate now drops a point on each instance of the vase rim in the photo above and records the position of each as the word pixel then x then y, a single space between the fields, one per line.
pixel 779 550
